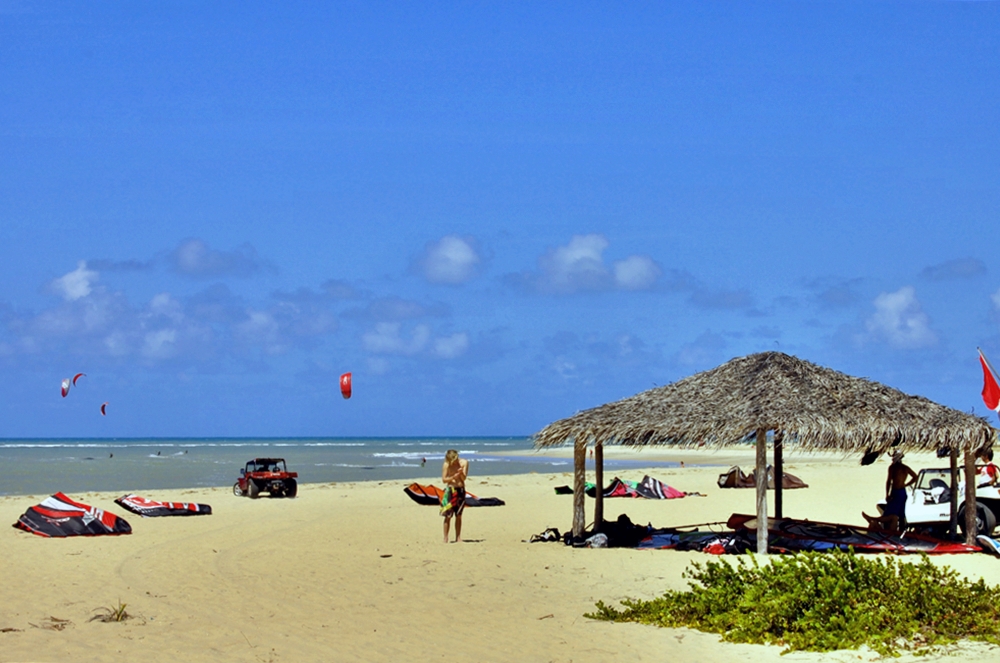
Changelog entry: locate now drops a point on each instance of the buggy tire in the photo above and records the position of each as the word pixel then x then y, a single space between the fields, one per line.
pixel 291 488
pixel 986 521
pixel 236 489
pixel 252 490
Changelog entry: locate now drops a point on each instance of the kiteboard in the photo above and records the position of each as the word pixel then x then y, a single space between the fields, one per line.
pixel 989 544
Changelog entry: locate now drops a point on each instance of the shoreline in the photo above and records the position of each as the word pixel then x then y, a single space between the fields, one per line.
pixel 356 571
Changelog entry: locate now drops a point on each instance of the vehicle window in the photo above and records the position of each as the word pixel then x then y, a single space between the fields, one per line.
pixel 928 475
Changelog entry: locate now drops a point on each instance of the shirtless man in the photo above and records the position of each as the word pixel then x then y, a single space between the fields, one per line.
pixel 454 471
pixel 893 517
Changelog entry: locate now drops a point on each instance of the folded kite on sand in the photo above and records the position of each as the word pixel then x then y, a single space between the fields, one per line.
pixel 431 496
pixel 59 516
pixel 735 478
pixel 650 488
pixel 151 509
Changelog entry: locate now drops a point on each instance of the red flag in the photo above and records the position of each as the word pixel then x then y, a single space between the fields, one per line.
pixel 991 390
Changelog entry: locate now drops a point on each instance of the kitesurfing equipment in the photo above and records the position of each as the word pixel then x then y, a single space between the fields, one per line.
pixel 59 516
pixel 152 509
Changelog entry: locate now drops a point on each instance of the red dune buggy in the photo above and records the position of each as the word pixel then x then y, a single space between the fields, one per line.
pixel 266 475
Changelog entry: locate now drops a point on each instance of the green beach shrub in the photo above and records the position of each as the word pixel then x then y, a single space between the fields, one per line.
pixel 825 601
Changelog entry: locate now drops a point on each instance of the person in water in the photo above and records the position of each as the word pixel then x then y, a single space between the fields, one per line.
pixel 893 517
pixel 454 472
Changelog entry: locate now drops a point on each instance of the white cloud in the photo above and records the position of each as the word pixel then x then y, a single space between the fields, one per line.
pixel 262 329
pixel 193 257
pixel 449 347
pixel 452 260
pixel 117 344
pixel 160 344
pixel 164 304
pixel 900 320
pixel 389 338
pixel 76 284
pixel 386 338
pixel 579 266
pixel 636 273
pixel 259 325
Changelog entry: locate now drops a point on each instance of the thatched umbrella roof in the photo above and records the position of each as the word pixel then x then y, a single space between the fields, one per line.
pixel 814 407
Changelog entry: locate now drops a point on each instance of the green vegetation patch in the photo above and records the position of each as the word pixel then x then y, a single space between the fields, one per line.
pixel 825 601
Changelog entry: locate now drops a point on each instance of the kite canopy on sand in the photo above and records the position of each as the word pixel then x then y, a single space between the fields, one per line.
pixel 345 385
pixel 152 509
pixel 60 516
pixel 431 496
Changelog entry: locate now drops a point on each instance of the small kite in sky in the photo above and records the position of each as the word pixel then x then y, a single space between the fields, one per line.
pixel 104 409
pixel 65 386
pixel 77 377
pixel 345 385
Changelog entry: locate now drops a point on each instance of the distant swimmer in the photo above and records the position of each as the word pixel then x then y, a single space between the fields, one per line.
pixel 157 453
pixel 111 455
pixel 423 461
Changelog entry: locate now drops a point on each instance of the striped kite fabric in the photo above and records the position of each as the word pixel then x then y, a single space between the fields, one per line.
pixel 152 509
pixel 60 516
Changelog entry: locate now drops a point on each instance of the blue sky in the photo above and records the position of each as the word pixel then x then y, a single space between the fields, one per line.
pixel 493 215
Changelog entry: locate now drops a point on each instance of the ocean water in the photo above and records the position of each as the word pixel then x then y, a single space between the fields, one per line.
pixel 38 466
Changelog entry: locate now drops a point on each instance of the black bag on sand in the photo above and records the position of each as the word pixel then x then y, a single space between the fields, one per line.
pixel 551 534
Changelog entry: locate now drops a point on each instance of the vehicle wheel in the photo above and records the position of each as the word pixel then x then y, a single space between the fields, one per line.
pixel 291 487
pixel 236 489
pixel 985 520
pixel 252 490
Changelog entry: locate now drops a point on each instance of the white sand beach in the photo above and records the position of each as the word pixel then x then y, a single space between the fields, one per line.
pixel 357 572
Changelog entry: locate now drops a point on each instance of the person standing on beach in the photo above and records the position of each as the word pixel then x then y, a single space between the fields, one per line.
pixel 454 471
pixel 900 476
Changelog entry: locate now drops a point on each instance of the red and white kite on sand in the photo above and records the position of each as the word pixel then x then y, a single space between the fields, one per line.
pixel 991 390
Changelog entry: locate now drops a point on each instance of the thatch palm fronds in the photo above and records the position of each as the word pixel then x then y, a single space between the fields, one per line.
pixel 813 406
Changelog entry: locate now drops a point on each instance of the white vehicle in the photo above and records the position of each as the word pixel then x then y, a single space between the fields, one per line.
pixel 928 502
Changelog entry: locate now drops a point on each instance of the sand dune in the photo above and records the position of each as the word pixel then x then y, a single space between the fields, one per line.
pixel 357 572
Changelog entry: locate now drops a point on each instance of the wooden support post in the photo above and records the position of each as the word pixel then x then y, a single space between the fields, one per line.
pixel 779 472
pixel 761 481
pixel 953 519
pixel 970 498
pixel 599 480
pixel 579 486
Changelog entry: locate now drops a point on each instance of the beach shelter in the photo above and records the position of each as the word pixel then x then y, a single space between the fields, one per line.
pixel 769 395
